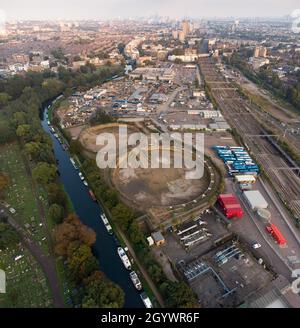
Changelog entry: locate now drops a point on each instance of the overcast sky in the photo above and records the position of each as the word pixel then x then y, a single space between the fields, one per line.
pixel 99 9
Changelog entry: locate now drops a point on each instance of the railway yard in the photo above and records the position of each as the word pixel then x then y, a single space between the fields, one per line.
pixel 241 116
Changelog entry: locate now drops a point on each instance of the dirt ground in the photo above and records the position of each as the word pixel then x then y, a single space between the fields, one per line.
pixel 158 187
pixel 88 136
pixel 268 104
pixel 165 195
pixel 75 131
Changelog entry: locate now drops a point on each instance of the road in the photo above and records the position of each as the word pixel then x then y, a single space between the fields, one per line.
pixel 251 230
pixel 47 262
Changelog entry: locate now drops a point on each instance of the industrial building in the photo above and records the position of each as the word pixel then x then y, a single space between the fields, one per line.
pixel 158 238
pixel 255 199
pixel 151 73
pixel 192 233
pixel 210 113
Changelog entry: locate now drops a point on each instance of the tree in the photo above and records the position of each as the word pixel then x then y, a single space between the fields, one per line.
pixel 6 133
pixel 44 173
pixel 123 215
pixel 58 54
pixel 8 236
pixel 19 118
pixel 178 52
pixel 33 149
pixel 121 47
pixel 75 147
pixel 101 293
pixel 51 88
pixel 23 130
pixel 100 117
pixel 56 213
pixel 4 99
pixel 135 234
pixel 77 58
pixel 57 196
pixel 72 230
pixel 81 261
pixel 181 296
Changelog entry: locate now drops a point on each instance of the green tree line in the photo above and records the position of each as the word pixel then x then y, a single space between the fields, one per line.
pixel 176 294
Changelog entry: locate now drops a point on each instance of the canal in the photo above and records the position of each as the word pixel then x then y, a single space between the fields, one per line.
pixel 105 248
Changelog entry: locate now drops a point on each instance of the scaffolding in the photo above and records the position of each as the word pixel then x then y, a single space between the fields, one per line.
pixel 223 256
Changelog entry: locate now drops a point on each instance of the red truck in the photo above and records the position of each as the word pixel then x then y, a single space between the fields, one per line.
pixel 276 233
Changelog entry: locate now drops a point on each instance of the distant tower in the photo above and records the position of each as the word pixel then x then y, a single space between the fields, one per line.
pixel 263 52
pixel 181 36
pixel 260 52
pixel 256 52
pixel 175 34
pixel 186 27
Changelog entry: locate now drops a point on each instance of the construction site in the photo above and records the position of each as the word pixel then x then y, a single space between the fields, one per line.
pixel 163 194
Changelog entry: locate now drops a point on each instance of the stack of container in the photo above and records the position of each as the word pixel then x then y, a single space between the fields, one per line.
pixel 230 206
pixel 237 160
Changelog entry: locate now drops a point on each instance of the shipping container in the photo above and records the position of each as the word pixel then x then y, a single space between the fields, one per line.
pixel 237 148
pixel 230 206
pixel 245 179
pixel 220 147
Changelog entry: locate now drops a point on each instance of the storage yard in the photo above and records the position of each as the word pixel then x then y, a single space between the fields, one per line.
pixel 237 160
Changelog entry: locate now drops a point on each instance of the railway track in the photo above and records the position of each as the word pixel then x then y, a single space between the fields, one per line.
pixel 244 118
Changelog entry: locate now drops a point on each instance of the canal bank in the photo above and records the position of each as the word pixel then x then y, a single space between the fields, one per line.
pixel 105 247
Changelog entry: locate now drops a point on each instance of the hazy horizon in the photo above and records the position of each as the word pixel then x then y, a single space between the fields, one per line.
pixel 109 9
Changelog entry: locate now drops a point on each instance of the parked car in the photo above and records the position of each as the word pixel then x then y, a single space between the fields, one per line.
pixel 256 245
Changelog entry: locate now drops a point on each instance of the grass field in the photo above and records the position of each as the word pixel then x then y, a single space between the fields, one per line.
pixel 20 194
pixel 26 285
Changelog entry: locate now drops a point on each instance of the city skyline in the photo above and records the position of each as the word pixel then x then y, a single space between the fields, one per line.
pixel 92 9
